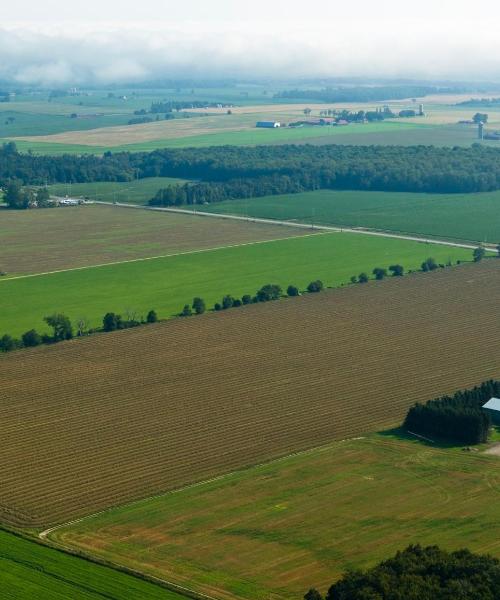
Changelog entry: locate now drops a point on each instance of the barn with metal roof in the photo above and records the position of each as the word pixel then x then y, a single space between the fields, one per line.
pixel 492 407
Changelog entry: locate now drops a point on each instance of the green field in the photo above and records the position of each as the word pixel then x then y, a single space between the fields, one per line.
pixel 461 216
pixel 166 284
pixel 31 571
pixel 139 191
pixel 276 530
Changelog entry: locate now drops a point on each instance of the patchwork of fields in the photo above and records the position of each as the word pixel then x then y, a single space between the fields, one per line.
pixel 104 420
pixel 167 284
pixel 66 238
pixel 471 217
pixel 279 529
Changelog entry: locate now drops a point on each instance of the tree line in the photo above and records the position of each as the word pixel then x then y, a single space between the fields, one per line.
pixel 363 93
pixel 420 573
pixel 459 418
pixel 235 172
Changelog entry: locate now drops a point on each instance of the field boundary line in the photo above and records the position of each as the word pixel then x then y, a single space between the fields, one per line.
pixel 299 225
pixel 184 253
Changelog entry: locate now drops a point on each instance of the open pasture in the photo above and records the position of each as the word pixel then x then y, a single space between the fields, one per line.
pixel 274 531
pixel 167 284
pixel 69 237
pixel 30 571
pixel 100 421
pixel 472 217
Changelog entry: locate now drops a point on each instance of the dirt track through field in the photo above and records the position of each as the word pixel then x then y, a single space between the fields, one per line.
pixel 115 417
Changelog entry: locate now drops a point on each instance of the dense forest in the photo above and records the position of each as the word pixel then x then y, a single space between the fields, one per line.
pixel 420 573
pixel 459 417
pixel 480 102
pixel 235 172
pixel 363 93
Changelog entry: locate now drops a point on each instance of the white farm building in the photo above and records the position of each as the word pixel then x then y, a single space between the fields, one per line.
pixel 268 124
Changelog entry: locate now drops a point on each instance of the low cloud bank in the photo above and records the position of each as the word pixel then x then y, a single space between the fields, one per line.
pixel 30 56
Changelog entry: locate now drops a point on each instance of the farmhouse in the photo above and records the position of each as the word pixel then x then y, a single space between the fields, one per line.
pixel 268 124
pixel 492 407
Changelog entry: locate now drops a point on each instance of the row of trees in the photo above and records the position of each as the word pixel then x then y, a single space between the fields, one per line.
pixel 236 172
pixel 18 197
pixel 421 573
pixel 459 417
pixel 362 93
pixel 63 329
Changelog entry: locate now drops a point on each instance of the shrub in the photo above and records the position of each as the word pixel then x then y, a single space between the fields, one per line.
pixel 379 273
pixel 478 254
pixel 199 305
pixel 217 306
pixel 237 302
pixel 186 311
pixel 291 291
pixel 246 299
pixel 363 278
pixel 8 343
pixel 315 286
pixel 152 317
pixel 227 302
pixel 63 330
pixel 429 265
pixel 397 270
pixel 111 322
pixel 31 338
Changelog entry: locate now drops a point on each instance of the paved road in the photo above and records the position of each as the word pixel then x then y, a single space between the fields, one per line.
pixel 360 231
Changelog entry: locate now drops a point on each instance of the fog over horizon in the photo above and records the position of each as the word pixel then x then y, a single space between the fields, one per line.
pixel 62 43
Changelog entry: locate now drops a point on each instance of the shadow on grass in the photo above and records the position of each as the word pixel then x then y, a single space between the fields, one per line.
pixel 402 434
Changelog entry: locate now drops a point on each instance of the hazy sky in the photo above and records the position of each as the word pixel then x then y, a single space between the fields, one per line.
pixel 62 41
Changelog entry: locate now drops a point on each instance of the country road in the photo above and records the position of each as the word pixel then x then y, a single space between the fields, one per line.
pixel 332 228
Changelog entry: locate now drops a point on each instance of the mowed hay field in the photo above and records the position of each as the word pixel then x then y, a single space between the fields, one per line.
pixel 31 571
pixel 167 284
pixel 64 238
pixel 107 419
pixel 276 530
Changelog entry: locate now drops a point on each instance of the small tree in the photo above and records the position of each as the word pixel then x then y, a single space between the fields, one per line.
pixel 227 302
pixel 246 299
pixel 8 343
pixel 82 326
pixel 217 306
pixel 363 278
pixel 237 302
pixel 354 279
pixel 111 322
pixel 186 311
pixel 31 338
pixel 268 292
pixel 379 273
pixel 315 286
pixel 291 290
pixel 151 317
pixel 397 270
pixel 498 250
pixel 478 254
pixel 429 264
pixel 63 330
pixel 199 306
pixel 43 198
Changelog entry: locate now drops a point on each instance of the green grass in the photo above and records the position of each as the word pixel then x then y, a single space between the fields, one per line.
pixel 277 530
pixel 473 217
pixel 30 571
pixel 166 284
pixel 135 192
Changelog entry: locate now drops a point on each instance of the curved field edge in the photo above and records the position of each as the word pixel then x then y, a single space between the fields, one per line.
pixel 31 569
pixel 167 284
pixel 104 420
pixel 279 529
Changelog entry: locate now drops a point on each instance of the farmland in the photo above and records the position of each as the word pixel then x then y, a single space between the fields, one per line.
pixel 65 238
pixel 473 217
pixel 279 529
pixel 32 571
pixel 107 419
pixel 166 284
pixel 139 191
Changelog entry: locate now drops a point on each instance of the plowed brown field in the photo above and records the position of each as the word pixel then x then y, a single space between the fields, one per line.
pixel 104 420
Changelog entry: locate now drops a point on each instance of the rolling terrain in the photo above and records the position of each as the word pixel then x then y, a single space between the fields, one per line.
pixel 104 420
